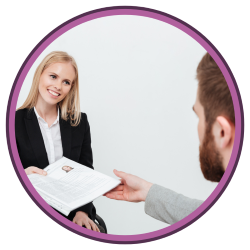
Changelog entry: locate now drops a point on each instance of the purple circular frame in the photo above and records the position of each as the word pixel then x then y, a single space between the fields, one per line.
pixel 144 12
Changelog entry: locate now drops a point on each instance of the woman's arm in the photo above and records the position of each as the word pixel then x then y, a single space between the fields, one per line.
pixel 86 159
pixel 23 145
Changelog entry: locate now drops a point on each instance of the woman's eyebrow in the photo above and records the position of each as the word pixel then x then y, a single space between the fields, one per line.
pixel 53 73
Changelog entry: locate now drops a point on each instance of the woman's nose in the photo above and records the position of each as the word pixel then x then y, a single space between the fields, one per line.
pixel 57 85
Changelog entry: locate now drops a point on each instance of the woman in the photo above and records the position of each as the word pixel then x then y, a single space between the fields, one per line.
pixel 49 125
pixel 67 168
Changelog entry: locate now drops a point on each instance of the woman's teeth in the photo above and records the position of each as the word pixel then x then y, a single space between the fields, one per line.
pixel 53 93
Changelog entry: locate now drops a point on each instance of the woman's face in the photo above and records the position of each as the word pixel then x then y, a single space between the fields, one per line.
pixel 56 82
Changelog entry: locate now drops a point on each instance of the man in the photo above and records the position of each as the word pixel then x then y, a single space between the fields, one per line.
pixel 216 129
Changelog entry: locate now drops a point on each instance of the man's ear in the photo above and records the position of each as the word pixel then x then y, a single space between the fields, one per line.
pixel 223 132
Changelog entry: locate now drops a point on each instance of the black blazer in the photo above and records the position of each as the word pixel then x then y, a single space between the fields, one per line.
pixel 76 143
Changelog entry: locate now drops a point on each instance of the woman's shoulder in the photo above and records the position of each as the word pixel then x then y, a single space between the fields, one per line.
pixel 78 123
pixel 83 115
pixel 24 113
pixel 20 117
pixel 21 112
pixel 83 120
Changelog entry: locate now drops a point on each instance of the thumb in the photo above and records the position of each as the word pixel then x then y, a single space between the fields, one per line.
pixel 39 171
pixel 120 174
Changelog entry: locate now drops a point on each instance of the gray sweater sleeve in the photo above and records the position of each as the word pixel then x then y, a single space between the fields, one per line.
pixel 166 205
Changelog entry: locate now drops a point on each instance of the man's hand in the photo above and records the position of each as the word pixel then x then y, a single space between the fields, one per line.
pixel 132 188
pixel 82 219
pixel 35 170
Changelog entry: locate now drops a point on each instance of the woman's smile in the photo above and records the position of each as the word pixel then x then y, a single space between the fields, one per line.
pixel 53 94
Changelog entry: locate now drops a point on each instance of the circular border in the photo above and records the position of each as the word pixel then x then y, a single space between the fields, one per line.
pixel 144 12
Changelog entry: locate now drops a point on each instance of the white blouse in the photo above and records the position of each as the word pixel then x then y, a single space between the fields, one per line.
pixel 51 137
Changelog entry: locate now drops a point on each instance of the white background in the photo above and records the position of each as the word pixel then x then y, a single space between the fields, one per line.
pixel 137 86
pixel 225 225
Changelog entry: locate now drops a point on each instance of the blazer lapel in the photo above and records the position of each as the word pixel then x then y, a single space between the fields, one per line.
pixel 65 128
pixel 36 139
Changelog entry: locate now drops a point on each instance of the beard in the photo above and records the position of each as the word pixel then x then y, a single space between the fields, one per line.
pixel 210 158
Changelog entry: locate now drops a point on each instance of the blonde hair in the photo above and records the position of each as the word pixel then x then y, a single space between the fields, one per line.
pixel 70 105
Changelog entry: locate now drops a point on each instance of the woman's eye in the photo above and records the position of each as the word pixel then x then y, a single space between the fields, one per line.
pixel 67 82
pixel 52 76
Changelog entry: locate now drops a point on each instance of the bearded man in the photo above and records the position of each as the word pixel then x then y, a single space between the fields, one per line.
pixel 216 130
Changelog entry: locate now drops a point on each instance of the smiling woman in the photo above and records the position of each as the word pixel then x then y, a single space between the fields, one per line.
pixel 55 83
pixel 49 125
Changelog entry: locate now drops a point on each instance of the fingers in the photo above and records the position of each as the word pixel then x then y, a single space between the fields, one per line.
pixel 122 175
pixel 35 170
pixel 27 171
pixel 94 226
pixel 118 188
pixel 88 223
pixel 116 195
pixel 78 222
pixel 39 171
pixel 112 192
pixel 118 173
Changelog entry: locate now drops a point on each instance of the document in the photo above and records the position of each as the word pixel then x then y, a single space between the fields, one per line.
pixel 69 185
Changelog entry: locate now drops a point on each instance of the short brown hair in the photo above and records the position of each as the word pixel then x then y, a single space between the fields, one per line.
pixel 214 94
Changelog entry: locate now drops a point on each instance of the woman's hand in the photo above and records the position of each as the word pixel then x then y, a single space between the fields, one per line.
pixel 35 170
pixel 82 219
